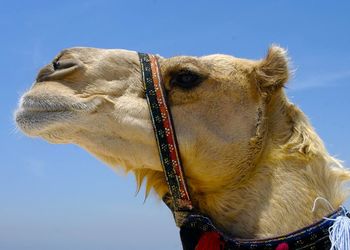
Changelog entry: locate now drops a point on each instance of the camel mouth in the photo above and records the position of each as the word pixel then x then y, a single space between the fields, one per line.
pixel 37 113
pixel 33 122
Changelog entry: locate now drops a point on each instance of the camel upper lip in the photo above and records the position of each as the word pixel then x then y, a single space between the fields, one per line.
pixel 50 104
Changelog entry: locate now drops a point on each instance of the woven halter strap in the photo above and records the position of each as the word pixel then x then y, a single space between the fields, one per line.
pixel 165 136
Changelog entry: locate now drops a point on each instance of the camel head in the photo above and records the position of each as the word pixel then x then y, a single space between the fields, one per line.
pixel 95 98
pixel 232 119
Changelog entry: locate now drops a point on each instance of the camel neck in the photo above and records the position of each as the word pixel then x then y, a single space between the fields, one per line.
pixel 276 201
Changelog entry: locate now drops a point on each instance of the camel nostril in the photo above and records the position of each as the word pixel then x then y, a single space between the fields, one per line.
pixel 58 69
pixel 63 64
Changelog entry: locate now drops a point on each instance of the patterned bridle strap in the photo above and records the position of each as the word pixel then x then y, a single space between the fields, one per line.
pixel 164 133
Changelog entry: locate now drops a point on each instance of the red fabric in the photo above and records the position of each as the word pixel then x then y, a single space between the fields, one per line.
pixel 282 246
pixel 209 241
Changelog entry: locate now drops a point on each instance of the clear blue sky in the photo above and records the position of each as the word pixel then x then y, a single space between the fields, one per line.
pixel 55 197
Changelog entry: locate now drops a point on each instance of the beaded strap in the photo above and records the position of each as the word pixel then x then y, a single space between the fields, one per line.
pixel 164 132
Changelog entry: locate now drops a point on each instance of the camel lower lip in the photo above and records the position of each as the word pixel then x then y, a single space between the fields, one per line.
pixel 29 120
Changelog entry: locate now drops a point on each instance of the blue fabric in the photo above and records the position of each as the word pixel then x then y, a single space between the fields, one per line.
pixel 315 236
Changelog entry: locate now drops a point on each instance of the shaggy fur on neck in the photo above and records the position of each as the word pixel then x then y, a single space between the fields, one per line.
pixel 293 170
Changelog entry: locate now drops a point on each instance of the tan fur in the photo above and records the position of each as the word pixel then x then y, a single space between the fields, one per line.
pixel 252 160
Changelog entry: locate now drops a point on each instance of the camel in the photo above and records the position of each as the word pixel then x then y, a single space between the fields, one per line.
pixel 252 161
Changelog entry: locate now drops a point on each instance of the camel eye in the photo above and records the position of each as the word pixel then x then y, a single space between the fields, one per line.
pixel 186 79
pixel 63 64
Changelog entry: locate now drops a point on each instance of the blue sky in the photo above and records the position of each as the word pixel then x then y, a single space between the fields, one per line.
pixel 58 196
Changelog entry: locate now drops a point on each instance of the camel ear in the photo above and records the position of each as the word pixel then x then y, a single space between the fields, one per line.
pixel 272 72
